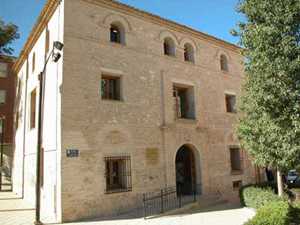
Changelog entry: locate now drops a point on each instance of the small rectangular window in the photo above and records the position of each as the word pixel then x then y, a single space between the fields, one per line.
pixel 236 185
pixel 2 97
pixel 118 174
pixel 184 102
pixel 110 88
pixel 17 120
pixel 47 41
pixel 3 69
pixel 235 159
pixel 230 103
pixel 33 62
pixel 32 109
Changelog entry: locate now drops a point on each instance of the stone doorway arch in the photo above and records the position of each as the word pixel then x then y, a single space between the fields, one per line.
pixel 185 164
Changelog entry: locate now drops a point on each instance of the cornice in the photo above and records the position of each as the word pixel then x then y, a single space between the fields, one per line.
pixel 35 33
pixel 132 11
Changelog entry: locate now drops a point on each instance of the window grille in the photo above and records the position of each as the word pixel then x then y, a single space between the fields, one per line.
pixel 118 174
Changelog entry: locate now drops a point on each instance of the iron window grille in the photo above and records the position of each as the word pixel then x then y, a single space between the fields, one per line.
pixel 118 174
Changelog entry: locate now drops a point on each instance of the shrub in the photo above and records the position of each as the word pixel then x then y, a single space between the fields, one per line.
pixel 256 197
pixel 295 213
pixel 274 213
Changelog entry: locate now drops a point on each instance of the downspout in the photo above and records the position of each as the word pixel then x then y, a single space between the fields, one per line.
pixel 163 125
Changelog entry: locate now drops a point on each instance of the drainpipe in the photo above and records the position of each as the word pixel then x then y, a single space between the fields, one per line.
pixel 163 126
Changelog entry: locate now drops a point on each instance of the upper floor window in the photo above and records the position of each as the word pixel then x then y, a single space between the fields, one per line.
pixel 2 97
pixel 169 47
pixel 223 63
pixel 3 69
pixel 47 40
pixel 32 108
pixel 110 87
pixel 33 62
pixel 184 102
pixel 117 34
pixel 230 101
pixel 188 53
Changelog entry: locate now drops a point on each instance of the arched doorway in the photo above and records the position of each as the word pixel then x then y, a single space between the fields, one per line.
pixel 185 171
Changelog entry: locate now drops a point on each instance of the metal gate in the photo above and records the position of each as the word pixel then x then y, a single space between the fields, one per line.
pixel 168 199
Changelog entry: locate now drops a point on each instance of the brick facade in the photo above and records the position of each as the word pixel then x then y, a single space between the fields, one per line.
pixel 142 124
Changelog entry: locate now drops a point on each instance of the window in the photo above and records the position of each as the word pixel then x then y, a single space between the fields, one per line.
pixel 184 102
pixel 230 103
pixel 3 69
pixel 33 62
pixel 110 88
pixel 223 63
pixel 235 159
pixel 188 53
pixel 169 47
pixel 237 184
pixel 47 41
pixel 32 108
pixel 117 34
pixel 2 97
pixel 19 86
pixel 118 174
pixel 17 120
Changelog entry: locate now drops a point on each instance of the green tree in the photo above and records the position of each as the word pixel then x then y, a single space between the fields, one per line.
pixel 269 126
pixel 8 33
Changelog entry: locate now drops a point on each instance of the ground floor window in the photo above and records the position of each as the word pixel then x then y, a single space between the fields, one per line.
pixel 118 174
pixel 236 185
pixel 236 160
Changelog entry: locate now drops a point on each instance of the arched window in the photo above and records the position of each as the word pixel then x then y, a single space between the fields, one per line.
pixel 224 63
pixel 188 53
pixel 117 34
pixel 169 47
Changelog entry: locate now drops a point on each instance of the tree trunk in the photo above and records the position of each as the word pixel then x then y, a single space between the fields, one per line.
pixel 279 183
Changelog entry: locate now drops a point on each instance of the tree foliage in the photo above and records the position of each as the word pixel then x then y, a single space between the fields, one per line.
pixel 269 127
pixel 8 33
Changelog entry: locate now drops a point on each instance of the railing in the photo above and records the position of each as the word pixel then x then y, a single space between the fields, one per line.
pixel 168 199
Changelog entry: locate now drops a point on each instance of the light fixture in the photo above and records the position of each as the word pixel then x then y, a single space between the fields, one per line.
pixel 56 57
pixel 58 45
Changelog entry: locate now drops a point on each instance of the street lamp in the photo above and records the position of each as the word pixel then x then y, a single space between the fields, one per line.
pixel 55 54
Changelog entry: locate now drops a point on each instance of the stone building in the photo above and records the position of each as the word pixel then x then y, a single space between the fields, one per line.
pixel 137 103
pixel 7 96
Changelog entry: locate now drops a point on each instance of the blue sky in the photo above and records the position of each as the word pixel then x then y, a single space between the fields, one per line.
pixel 215 17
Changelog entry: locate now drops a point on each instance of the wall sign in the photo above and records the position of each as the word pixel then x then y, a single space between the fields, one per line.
pixel 72 153
pixel 152 155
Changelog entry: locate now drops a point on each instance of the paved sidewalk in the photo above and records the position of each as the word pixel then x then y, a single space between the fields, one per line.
pixel 14 211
